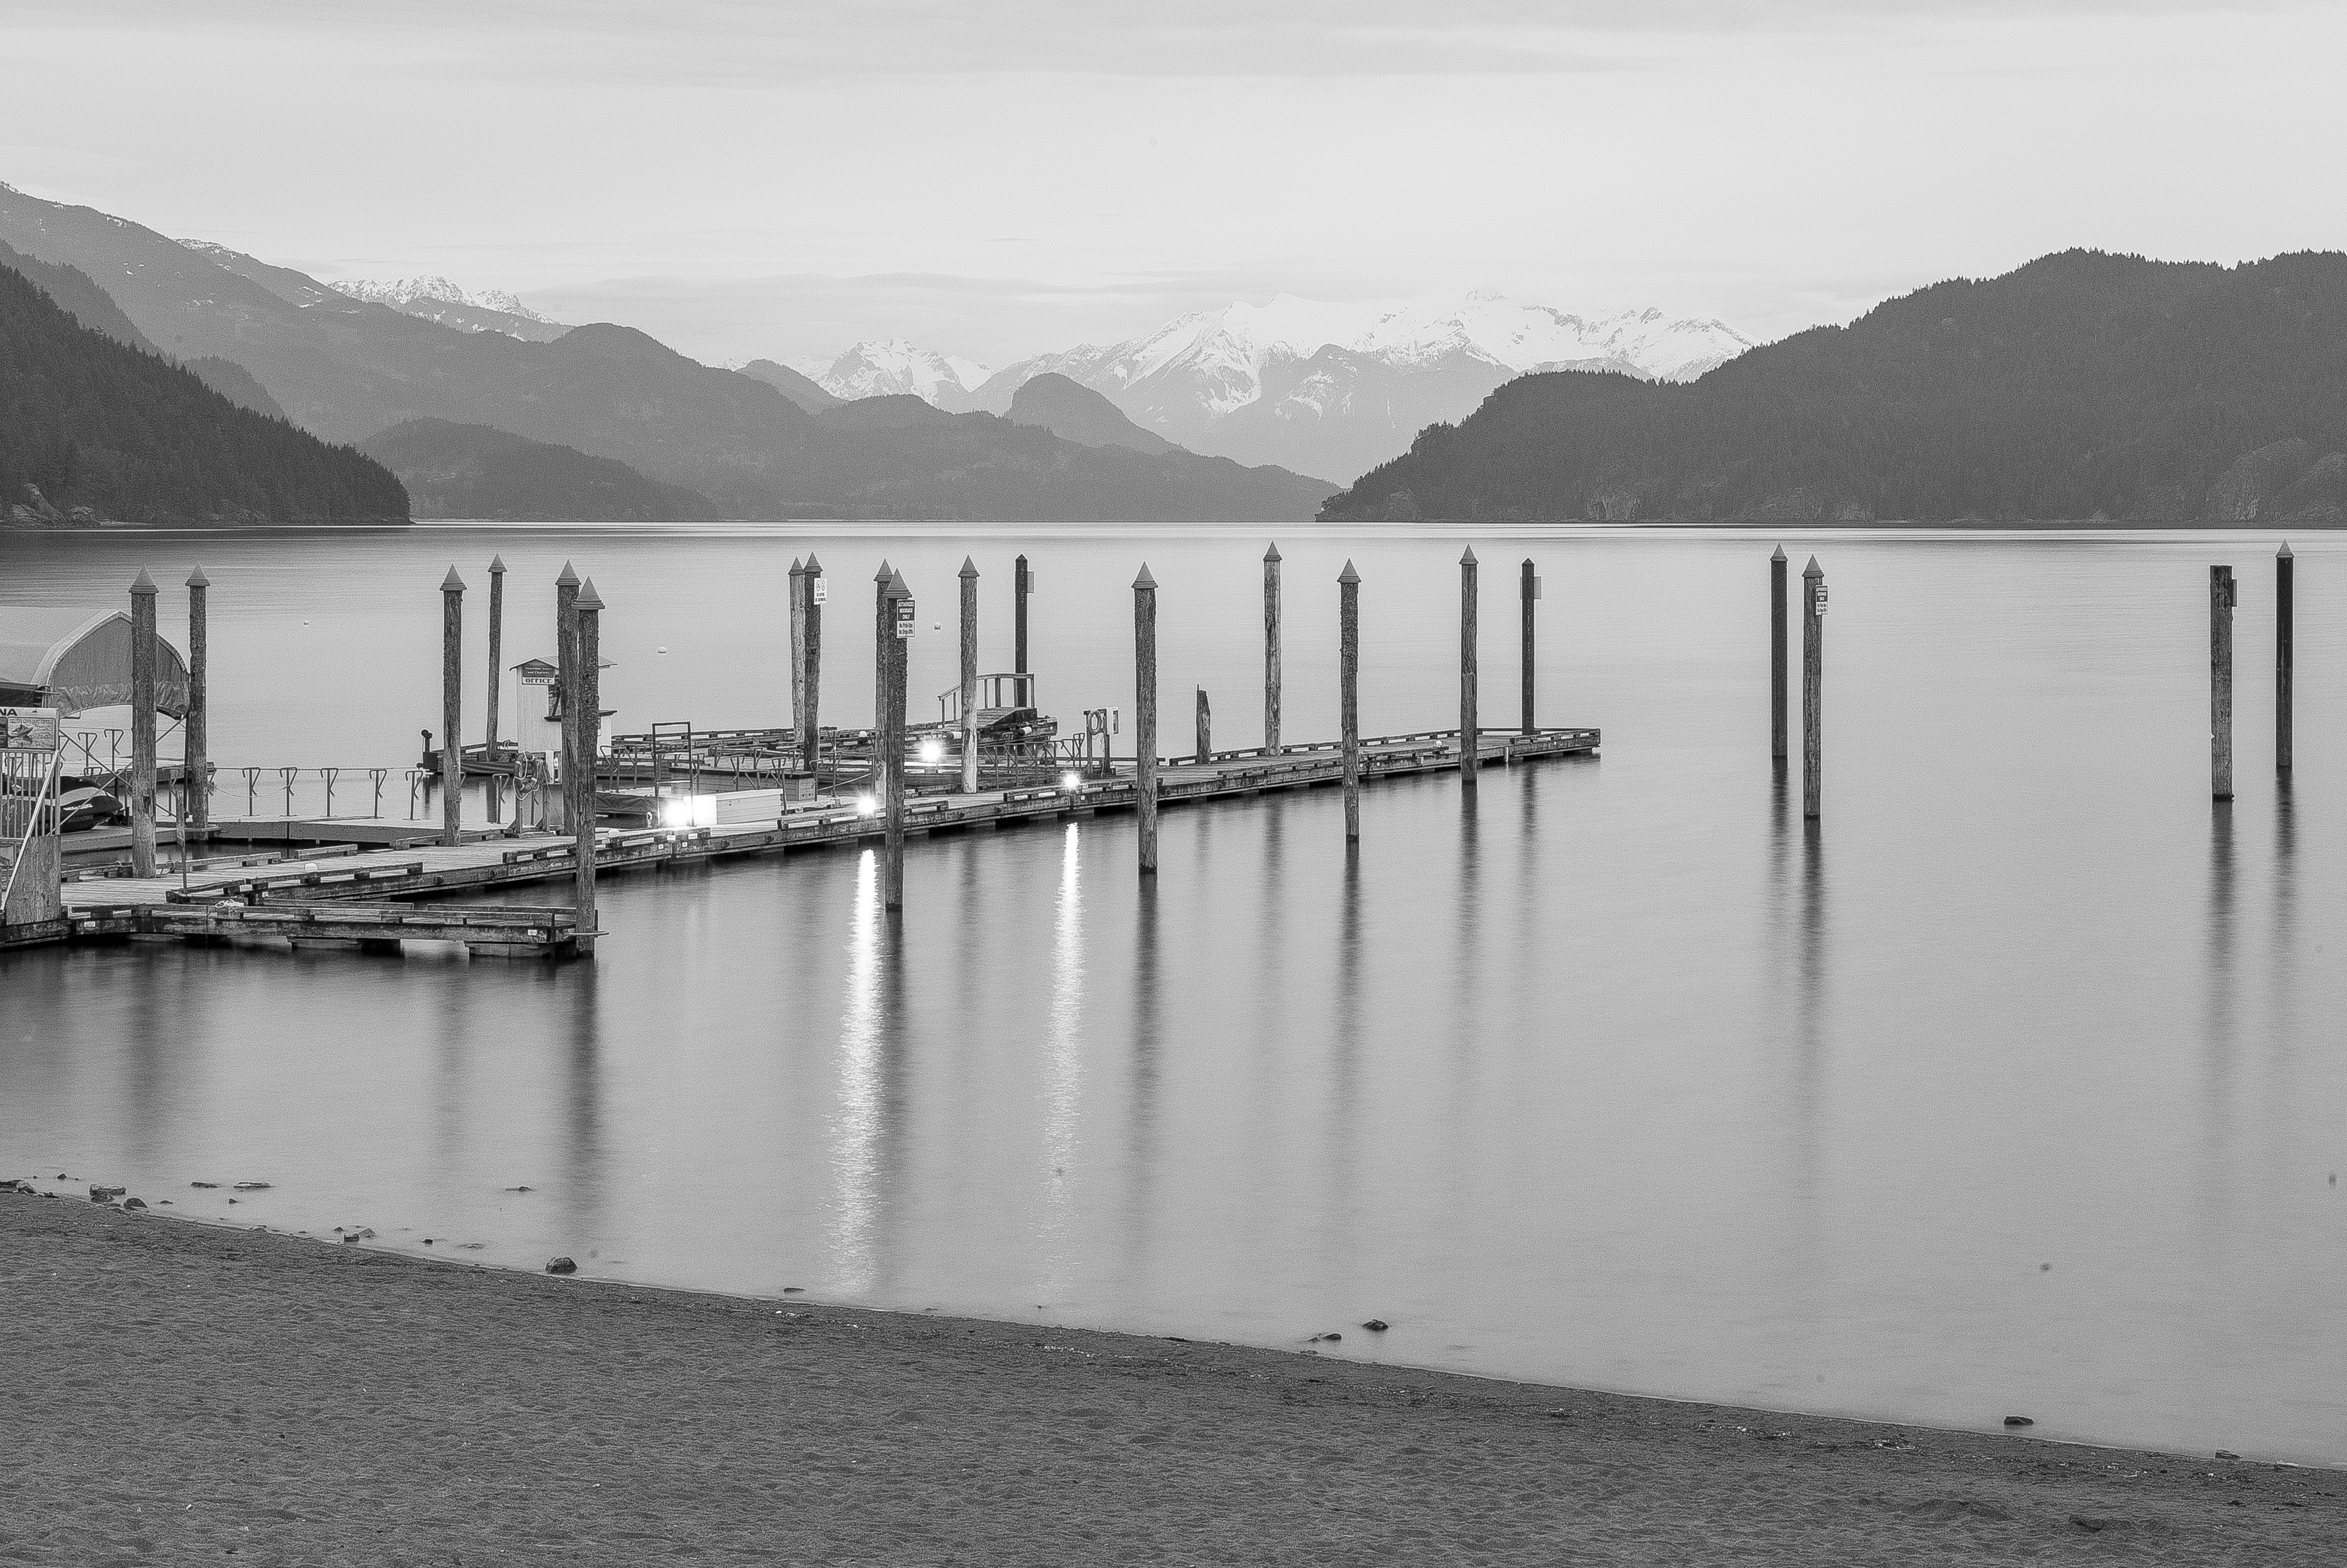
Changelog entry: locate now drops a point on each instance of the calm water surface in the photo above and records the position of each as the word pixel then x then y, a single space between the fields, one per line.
pixel 2017 1088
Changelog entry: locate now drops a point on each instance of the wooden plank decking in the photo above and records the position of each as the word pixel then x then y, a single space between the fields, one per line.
pixel 426 871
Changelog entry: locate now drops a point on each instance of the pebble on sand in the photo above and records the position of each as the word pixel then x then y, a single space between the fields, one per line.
pixel 98 1194
pixel 561 1266
pixel 2019 1422
pixel 252 1186
pixel 1375 1325
pixel 203 1184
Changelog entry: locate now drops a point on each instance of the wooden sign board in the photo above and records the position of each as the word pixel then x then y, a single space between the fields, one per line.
pixel 905 619
pixel 822 590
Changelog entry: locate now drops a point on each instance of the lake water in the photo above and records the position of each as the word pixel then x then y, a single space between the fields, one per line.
pixel 2017 1087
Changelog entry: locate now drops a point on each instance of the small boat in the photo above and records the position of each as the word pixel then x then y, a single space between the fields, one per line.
pixel 79 809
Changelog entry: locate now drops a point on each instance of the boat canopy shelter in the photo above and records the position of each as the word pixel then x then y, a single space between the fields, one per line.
pixel 77 659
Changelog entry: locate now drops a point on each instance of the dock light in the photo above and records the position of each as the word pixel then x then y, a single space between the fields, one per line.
pixel 1071 782
pixel 865 806
pixel 676 813
pixel 933 751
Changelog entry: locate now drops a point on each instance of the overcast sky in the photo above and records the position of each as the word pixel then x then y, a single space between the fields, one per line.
pixel 779 179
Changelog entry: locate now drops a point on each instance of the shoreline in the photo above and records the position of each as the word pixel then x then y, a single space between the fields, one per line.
pixel 201 1388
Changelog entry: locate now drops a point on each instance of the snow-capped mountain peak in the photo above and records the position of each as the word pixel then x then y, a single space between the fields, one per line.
pixel 892 367
pixel 401 293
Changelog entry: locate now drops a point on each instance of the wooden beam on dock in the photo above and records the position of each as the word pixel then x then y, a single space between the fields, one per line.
pixel 1271 672
pixel 142 724
pixel 195 730
pixel 1144 742
pixel 589 612
pixel 1348 693
pixel 1468 736
pixel 2223 596
pixel 1813 690
pixel 497 665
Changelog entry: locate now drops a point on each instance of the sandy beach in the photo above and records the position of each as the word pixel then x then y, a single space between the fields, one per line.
pixel 176 1392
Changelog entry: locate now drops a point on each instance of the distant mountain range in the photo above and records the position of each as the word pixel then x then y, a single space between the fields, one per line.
pixel 96 427
pixel 435 299
pixel 1317 387
pixel 347 369
pixel 2082 386
pixel 473 471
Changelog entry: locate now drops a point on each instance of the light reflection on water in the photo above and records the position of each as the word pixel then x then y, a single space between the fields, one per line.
pixel 1613 1071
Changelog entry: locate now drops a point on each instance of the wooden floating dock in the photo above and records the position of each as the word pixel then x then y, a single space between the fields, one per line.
pixel 425 871
pixel 494 931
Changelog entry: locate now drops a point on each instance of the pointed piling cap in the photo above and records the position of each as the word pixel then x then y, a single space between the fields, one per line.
pixel 145 584
pixel 2283 553
pixel 197 578
pixel 1813 569
pixel 1272 554
pixel 884 574
pixel 496 566
pixel 796 569
pixel 897 588
pixel 568 579
pixel 1349 575
pixel 1468 558
pixel 589 600
pixel 814 567
pixel 1144 579
pixel 969 567
pixel 452 583
pixel 1779 555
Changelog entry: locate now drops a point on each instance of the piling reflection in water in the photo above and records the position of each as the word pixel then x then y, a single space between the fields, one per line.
pixel 857 1198
pixel 1063 1071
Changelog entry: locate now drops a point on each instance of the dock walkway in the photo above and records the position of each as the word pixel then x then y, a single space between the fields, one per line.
pixel 421 871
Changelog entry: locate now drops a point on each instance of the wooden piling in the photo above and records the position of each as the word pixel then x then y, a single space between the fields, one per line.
pixel 1348 692
pixel 884 767
pixel 1020 584
pixel 452 709
pixel 1271 647
pixel 497 664
pixel 1205 727
pixel 1776 693
pixel 1471 741
pixel 2285 651
pixel 1813 690
pixel 798 595
pixel 810 718
pixel 1529 592
pixel 588 732
pixel 195 749
pixel 969 676
pixel 142 725
pixel 892 651
pixel 2221 598
pixel 1144 706
pixel 566 684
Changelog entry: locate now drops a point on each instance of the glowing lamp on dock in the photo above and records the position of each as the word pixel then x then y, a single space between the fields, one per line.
pixel 865 806
pixel 933 750
pixel 689 811
pixel 1071 782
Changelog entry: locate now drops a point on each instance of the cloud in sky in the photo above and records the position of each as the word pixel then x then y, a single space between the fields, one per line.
pixel 747 179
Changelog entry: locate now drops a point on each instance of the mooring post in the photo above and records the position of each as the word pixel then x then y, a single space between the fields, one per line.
pixel 810 717
pixel 884 767
pixel 497 663
pixel 2285 651
pixel 195 748
pixel 1530 592
pixel 566 686
pixel 1471 741
pixel 589 731
pixel 1348 691
pixel 1020 584
pixel 452 709
pixel 142 725
pixel 1205 727
pixel 1271 649
pixel 1776 693
pixel 2221 598
pixel 798 595
pixel 1813 690
pixel 969 676
pixel 895 630
pixel 1144 708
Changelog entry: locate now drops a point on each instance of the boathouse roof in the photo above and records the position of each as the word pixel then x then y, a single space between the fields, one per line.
pixel 77 659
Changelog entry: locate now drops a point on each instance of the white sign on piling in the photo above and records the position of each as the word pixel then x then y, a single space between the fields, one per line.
pixel 29 728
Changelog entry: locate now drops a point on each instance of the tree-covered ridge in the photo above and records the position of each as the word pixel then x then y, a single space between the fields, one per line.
pixel 2080 386
pixel 91 428
pixel 474 471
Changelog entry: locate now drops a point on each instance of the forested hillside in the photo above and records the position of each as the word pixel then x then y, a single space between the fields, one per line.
pixel 91 428
pixel 474 471
pixel 2082 385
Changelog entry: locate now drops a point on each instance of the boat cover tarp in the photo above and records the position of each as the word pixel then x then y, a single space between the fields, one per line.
pixel 77 659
